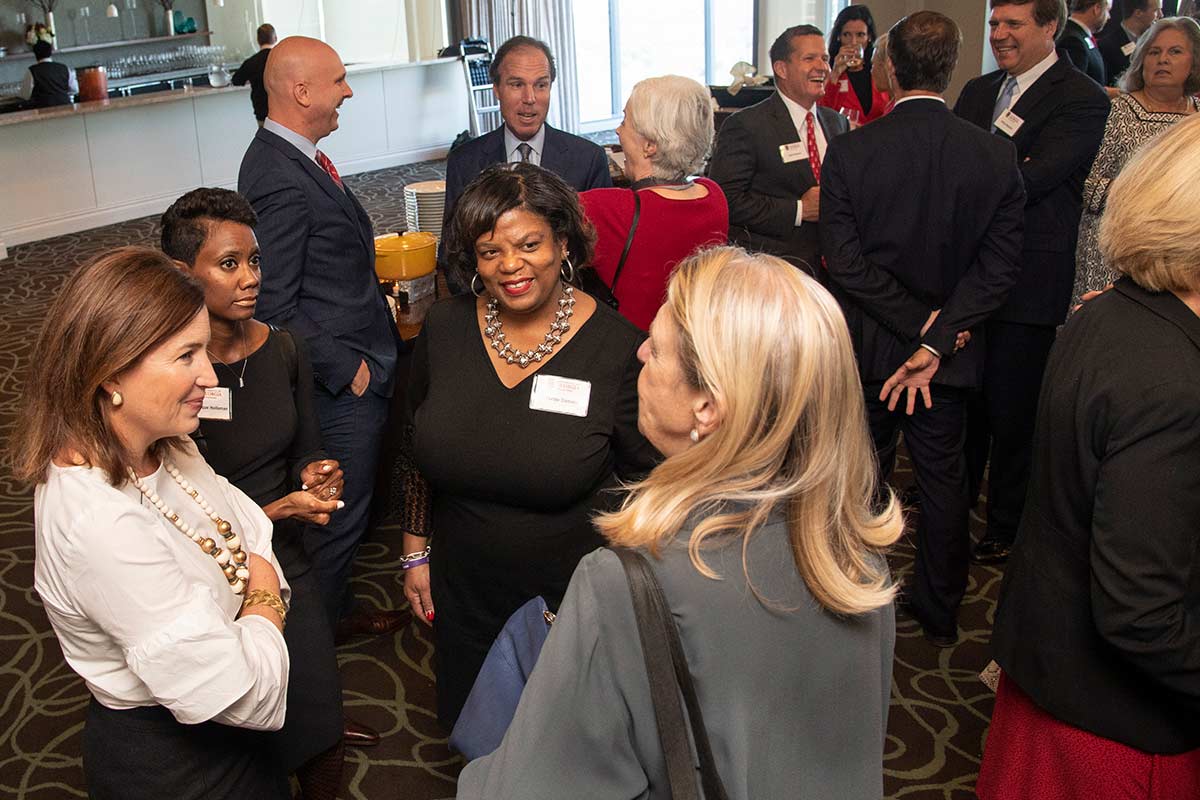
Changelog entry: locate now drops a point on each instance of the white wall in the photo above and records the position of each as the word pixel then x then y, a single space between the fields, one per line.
pixel 233 25
pixel 367 30
pixel 299 17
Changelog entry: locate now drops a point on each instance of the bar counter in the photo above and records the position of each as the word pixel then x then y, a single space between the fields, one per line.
pixel 76 167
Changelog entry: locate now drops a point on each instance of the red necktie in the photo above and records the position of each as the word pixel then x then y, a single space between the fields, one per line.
pixel 324 163
pixel 814 155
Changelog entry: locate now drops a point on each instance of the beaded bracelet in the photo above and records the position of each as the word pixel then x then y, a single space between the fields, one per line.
pixel 263 597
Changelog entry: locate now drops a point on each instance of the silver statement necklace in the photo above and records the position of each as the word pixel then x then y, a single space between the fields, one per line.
pixel 494 329
pixel 245 359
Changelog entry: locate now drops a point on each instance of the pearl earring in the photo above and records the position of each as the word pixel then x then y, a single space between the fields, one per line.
pixel 694 436
pixel 117 399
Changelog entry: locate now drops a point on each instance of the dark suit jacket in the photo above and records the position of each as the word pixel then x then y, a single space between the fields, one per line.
pixel 762 190
pixel 579 162
pixel 1076 46
pixel 906 230
pixel 1099 613
pixel 251 71
pixel 318 265
pixel 1064 113
pixel 1115 62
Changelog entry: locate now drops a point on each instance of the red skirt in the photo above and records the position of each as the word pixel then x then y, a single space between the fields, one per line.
pixel 1030 755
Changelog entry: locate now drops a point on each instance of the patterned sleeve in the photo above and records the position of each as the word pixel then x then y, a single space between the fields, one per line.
pixel 1120 140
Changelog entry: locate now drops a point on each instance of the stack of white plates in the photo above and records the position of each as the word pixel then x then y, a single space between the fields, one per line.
pixel 423 206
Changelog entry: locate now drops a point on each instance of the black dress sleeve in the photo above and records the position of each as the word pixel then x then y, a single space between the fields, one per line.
pixel 417 513
pixel 306 444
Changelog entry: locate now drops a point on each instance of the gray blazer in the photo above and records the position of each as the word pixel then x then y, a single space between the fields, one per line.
pixel 795 699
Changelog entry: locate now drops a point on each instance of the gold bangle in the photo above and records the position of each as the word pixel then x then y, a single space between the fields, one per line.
pixel 263 597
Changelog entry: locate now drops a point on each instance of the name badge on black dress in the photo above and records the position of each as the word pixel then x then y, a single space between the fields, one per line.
pixel 560 395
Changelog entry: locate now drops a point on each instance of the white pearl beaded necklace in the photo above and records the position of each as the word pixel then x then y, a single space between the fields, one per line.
pixel 232 561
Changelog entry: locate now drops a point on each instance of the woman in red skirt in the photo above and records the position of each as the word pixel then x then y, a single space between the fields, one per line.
pixel 1098 627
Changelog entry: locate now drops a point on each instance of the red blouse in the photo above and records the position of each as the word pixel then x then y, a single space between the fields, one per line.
pixel 840 94
pixel 668 231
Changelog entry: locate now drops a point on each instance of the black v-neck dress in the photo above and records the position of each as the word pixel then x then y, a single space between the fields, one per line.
pixel 514 489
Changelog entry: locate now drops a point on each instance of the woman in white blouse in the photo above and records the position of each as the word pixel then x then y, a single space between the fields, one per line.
pixel 157 575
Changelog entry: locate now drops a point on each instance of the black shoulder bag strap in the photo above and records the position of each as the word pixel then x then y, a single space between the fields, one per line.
pixel 667 669
pixel 637 213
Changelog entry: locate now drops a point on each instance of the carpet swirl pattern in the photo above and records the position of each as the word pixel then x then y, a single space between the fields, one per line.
pixel 939 712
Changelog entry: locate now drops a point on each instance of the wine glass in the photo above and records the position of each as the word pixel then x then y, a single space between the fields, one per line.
pixel 852 114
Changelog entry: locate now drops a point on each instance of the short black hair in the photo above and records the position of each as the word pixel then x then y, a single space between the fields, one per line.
pixel 781 48
pixel 503 187
pixel 923 48
pixel 266 34
pixel 850 14
pixel 1132 6
pixel 516 43
pixel 42 50
pixel 186 224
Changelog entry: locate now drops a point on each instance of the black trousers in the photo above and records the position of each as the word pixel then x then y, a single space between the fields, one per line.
pixel 934 437
pixel 1001 417
pixel 145 754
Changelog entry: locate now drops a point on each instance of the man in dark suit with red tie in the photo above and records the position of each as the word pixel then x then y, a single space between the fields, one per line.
pixel 318 278
pixel 1055 117
pixel 920 248
pixel 768 156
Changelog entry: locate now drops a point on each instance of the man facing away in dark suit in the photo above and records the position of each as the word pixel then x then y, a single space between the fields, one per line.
pixel 252 70
pixel 1055 116
pixel 1118 41
pixel 921 217
pixel 522 73
pixel 1078 41
pixel 318 278
pixel 768 156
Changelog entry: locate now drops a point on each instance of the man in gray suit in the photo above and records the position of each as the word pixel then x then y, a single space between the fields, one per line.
pixel 768 157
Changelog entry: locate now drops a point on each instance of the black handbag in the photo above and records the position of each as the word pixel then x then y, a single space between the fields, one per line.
pixel 667 669
pixel 590 280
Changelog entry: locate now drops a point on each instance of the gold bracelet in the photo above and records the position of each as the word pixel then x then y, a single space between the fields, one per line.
pixel 263 597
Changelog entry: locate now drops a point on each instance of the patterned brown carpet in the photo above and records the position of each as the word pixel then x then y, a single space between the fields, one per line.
pixel 939 712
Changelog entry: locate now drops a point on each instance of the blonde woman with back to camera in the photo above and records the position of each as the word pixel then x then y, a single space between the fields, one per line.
pixel 761 528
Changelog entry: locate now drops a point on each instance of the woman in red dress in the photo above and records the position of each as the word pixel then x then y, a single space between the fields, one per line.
pixel 850 88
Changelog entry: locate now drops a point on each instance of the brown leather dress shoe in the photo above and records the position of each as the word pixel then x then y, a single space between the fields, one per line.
pixel 355 734
pixel 370 623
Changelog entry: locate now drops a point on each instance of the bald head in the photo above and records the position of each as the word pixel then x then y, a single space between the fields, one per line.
pixel 306 83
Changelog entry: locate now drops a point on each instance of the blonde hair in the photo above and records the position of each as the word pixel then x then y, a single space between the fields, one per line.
pixel 772 350
pixel 676 114
pixel 1149 228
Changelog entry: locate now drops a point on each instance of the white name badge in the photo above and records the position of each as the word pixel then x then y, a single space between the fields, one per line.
pixel 1128 48
pixel 1009 122
pixel 844 85
pixel 218 404
pixel 560 395
pixel 796 151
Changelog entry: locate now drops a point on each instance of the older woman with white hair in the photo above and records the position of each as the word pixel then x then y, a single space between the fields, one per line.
pixel 640 235
pixel 1098 625
pixel 1156 92
pixel 761 528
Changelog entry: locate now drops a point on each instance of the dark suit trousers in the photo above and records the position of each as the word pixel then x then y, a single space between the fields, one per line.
pixel 934 438
pixel 352 430
pixel 1000 420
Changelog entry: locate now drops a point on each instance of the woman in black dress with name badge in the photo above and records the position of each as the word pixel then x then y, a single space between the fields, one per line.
pixel 523 400
pixel 261 434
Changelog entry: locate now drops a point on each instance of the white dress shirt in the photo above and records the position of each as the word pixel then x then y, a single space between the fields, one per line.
pixel 301 143
pixel 142 614
pixel 1027 78
pixel 537 142
pixel 26 90
pixel 799 115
